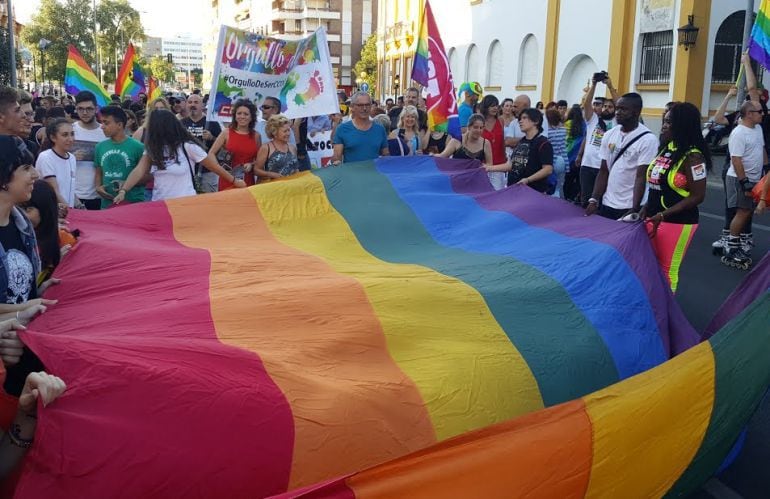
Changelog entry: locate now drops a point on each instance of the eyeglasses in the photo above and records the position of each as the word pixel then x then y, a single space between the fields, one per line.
pixel 362 106
pixel 755 111
pixel 85 109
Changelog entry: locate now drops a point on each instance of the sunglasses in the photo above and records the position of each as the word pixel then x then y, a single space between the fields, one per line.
pixel 265 106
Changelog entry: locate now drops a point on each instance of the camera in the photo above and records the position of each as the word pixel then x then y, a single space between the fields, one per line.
pixel 601 76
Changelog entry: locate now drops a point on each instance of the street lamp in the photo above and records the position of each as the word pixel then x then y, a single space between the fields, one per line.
pixel 42 45
pixel 396 84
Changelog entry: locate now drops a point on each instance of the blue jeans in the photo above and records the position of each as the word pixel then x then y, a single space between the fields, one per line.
pixel 559 168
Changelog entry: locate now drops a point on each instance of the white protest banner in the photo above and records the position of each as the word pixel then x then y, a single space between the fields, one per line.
pixel 251 66
pixel 322 149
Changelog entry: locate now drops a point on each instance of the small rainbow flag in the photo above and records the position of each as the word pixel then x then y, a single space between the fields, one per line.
pixel 130 82
pixel 153 90
pixel 759 45
pixel 442 108
pixel 79 77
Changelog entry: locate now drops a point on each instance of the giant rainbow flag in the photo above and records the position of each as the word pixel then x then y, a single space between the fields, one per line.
pixel 258 341
pixel 79 77
pixel 431 70
pixel 130 81
pixel 759 44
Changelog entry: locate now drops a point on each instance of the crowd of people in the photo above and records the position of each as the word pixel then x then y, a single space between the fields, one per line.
pixel 59 154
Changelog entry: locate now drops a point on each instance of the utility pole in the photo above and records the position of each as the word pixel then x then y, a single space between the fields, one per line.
pixel 748 23
pixel 97 52
pixel 11 43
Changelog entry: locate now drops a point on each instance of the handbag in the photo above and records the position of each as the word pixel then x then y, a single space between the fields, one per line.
pixel 195 180
pixel 756 192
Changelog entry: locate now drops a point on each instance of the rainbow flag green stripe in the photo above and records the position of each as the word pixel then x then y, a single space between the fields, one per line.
pixel 661 433
pixel 79 77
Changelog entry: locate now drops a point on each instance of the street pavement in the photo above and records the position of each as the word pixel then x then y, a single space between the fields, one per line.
pixel 704 284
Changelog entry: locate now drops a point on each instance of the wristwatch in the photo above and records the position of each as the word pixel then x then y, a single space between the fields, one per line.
pixel 593 201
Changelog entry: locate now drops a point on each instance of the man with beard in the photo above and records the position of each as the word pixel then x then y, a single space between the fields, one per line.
pixel 513 133
pixel 626 151
pixel 412 98
pixel 88 133
pixel 14 121
pixel 205 131
pixel 25 129
pixel 589 158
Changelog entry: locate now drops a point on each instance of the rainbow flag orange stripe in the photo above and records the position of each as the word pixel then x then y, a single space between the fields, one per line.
pixel 79 77
pixel 153 90
pixel 258 341
pixel 660 434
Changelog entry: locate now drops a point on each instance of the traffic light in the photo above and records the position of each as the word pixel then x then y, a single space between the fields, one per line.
pixel 170 58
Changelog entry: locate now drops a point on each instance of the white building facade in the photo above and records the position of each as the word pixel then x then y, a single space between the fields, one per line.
pixel 549 49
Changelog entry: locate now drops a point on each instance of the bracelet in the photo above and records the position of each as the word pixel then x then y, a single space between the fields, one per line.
pixel 14 435
pixel 593 201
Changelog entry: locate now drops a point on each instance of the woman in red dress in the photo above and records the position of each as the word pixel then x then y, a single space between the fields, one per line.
pixel 494 132
pixel 241 141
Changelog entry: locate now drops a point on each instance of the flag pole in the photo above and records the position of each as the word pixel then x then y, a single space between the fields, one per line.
pixel 748 24
pixel 11 43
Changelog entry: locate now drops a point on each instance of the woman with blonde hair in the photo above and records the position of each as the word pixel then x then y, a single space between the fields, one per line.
pixel 409 130
pixel 277 158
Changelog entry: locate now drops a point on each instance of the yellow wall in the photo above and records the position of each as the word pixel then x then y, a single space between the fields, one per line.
pixel 689 72
pixel 622 46
pixel 551 45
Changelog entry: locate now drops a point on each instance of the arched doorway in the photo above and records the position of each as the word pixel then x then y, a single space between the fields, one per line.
pixel 574 79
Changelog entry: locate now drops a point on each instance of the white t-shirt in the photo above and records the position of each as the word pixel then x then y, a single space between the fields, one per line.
pixel 175 181
pixel 748 144
pixel 620 185
pixel 50 164
pixel 592 157
pixel 86 140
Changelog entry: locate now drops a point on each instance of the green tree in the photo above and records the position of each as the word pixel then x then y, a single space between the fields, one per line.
pixel 366 67
pixel 118 24
pixel 62 22
pixel 197 77
pixel 161 69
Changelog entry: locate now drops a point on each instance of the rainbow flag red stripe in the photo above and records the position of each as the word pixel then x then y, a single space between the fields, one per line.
pixel 440 101
pixel 153 90
pixel 130 82
pixel 79 77
pixel 256 341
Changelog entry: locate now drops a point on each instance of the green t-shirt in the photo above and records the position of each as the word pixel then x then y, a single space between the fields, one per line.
pixel 116 161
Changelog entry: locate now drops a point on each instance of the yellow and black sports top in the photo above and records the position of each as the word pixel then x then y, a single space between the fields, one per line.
pixel 667 185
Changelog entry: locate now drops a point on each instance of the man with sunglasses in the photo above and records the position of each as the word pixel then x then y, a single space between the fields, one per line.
pixel 271 106
pixel 747 155
pixel 359 139
pixel 88 133
pixel 472 92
